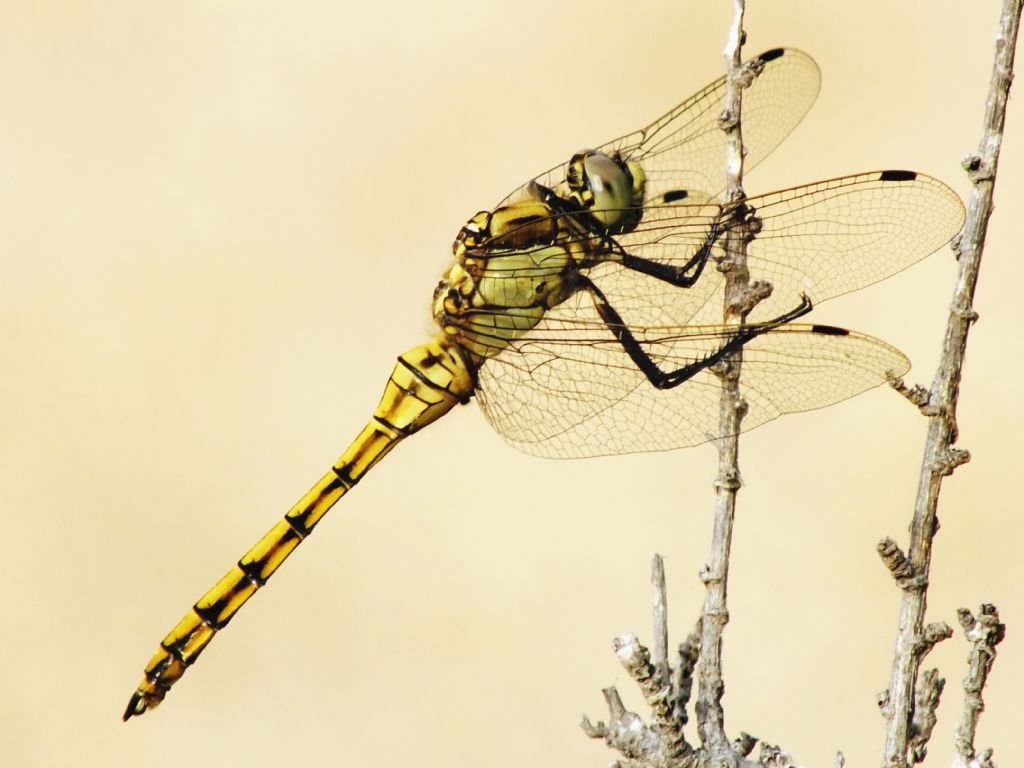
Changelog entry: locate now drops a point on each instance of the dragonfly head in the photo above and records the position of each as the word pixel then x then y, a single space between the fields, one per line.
pixel 610 189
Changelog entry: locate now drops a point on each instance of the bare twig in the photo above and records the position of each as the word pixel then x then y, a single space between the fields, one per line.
pixel 744 744
pixel 710 715
pixel 636 659
pixel 659 610
pixel 917 394
pixel 926 701
pixel 984 633
pixel 625 732
pixel 934 633
pixel 682 680
pixel 663 742
pixel 940 457
pixel 895 560
pixel 773 756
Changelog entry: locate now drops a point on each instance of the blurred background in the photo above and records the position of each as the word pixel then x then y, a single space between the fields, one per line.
pixel 220 223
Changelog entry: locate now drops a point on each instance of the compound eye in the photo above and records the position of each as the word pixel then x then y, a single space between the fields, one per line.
pixel 608 181
pixel 611 190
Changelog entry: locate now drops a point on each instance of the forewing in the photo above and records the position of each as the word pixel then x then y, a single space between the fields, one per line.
pixel 683 149
pixel 836 236
pixel 822 239
pixel 571 391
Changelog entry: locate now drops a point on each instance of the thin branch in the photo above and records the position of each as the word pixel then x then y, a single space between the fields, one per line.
pixel 682 679
pixel 663 742
pixel 659 611
pixel 625 732
pixel 940 458
pixel 984 633
pixel 710 714
pixel 636 660
pixel 926 702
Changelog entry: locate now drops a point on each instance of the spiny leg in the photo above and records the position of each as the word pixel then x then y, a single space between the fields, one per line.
pixel 683 276
pixel 669 379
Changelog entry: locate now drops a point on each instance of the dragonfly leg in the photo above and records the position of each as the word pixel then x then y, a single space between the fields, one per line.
pixel 684 276
pixel 734 340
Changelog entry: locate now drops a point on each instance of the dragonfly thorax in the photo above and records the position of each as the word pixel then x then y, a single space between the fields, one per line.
pixel 608 188
pixel 510 266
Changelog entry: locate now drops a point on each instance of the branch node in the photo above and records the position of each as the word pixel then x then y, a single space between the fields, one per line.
pixel 728 119
pixel 598 731
pixel 956 245
pixel 729 481
pixel 946 461
pixel 755 293
pixel 968 313
pixel 917 394
pixel 744 744
pixel 772 756
pixel 740 77
pixel 985 628
pixel 899 566
pixel 977 168
pixel 934 633
pixel 882 702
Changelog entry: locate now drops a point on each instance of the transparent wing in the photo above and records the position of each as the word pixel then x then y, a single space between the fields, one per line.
pixel 570 391
pixel 822 240
pixel 567 388
pixel 683 148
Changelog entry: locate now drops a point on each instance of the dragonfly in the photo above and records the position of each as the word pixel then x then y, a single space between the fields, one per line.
pixel 583 312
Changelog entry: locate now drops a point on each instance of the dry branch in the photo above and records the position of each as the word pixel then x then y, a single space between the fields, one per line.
pixel 984 633
pixel 910 702
pixel 715 575
pixel 903 743
pixel 666 691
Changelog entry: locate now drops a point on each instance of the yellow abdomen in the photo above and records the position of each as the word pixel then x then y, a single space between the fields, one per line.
pixel 427 382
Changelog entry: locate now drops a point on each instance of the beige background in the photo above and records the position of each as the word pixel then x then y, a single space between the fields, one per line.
pixel 220 222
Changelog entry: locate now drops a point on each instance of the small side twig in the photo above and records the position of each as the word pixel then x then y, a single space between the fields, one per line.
pixel 625 731
pixel 636 660
pixel 984 632
pixel 663 742
pixel 926 701
pixel 916 394
pixel 682 681
pixel 895 559
pixel 659 610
